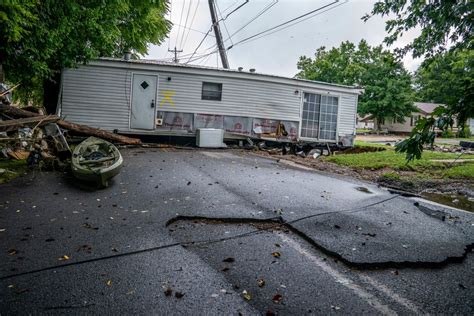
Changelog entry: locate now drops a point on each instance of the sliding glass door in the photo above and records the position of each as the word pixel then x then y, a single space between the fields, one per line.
pixel 319 118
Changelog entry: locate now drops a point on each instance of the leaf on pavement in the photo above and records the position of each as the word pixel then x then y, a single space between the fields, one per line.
pixel 178 294
pixel 277 298
pixel 109 282
pixel 261 282
pixel 276 254
pixel 247 295
pixel 12 252
pixel 64 258
pixel 230 259
pixel 168 291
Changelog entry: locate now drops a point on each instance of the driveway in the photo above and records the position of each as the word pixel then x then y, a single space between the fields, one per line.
pixel 224 232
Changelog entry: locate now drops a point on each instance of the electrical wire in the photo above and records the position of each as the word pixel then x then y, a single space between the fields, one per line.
pixel 226 9
pixel 185 24
pixel 192 21
pixel 200 43
pixel 307 18
pixel 210 29
pixel 180 20
pixel 284 23
pixel 202 56
pixel 240 6
pixel 265 9
pixel 192 242
pixel 223 20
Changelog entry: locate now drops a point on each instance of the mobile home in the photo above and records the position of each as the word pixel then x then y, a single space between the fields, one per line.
pixel 152 97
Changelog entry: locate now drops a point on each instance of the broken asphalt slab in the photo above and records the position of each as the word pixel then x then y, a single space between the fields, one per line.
pixel 391 234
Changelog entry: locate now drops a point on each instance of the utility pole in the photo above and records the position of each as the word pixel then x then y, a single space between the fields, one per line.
pixel 175 51
pixel 217 32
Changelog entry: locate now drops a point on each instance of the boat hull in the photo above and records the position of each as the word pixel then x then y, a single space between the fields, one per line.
pixel 97 172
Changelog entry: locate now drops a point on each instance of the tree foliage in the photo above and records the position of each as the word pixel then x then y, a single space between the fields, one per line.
pixel 443 24
pixel 388 93
pixel 39 38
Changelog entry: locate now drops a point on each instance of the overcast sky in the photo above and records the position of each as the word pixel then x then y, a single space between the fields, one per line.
pixel 276 53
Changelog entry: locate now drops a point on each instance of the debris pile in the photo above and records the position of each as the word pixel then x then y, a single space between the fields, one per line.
pixel 29 134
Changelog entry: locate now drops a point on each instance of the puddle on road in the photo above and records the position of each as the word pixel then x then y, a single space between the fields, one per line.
pixel 454 200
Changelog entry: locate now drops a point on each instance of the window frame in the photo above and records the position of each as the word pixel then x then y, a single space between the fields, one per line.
pixel 211 98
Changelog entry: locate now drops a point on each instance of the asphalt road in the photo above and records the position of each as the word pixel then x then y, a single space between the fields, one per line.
pixel 223 232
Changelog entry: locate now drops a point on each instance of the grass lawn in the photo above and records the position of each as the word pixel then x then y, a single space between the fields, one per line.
pixel 396 161
pixel 363 130
pixel 12 169
pixel 361 143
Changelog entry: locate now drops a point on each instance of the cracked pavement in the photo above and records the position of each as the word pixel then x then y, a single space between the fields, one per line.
pixel 65 249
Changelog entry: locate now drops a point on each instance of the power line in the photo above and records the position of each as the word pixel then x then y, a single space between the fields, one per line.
pixel 202 56
pixel 265 9
pixel 307 18
pixel 192 21
pixel 191 29
pixel 230 6
pixel 240 6
pixel 210 29
pixel 185 24
pixel 200 43
pixel 225 26
pixel 180 20
pixel 284 23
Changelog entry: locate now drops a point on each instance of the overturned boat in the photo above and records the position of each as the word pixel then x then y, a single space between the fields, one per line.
pixel 96 160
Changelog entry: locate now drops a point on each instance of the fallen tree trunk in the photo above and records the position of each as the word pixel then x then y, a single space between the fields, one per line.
pixel 15 112
pixel 82 129
pixel 12 125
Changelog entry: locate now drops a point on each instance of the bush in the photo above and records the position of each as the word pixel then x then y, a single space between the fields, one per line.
pixel 465 132
pixel 447 134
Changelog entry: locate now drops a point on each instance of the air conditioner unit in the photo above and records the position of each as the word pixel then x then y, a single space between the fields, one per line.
pixel 210 138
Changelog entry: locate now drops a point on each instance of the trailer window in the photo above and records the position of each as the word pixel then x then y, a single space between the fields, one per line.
pixel 211 91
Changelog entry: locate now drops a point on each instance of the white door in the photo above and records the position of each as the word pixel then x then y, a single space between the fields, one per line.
pixel 142 114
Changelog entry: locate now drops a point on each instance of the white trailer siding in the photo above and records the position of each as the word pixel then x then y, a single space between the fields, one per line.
pixel 99 94
pixel 240 97
pixel 347 114
pixel 96 96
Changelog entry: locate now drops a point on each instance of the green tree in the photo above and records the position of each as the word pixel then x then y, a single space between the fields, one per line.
pixel 443 24
pixel 39 38
pixel 387 86
pixel 448 78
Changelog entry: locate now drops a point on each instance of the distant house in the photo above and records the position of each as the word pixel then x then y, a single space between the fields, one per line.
pixel 423 110
pixel 366 122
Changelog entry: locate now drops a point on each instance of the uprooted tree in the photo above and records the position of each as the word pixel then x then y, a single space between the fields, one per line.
pixel 446 39
pixel 388 91
pixel 39 38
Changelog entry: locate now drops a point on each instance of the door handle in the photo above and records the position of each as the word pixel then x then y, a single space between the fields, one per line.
pixel 152 103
